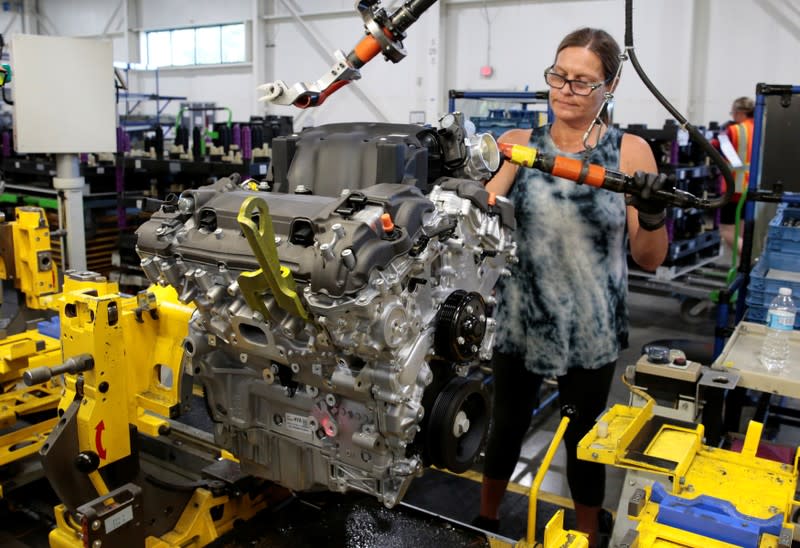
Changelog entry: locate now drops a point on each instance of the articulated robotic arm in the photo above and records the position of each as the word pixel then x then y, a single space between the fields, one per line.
pixel 385 34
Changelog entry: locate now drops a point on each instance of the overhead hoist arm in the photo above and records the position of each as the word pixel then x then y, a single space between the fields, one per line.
pixel 384 34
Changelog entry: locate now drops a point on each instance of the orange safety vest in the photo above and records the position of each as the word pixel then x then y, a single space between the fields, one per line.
pixel 741 136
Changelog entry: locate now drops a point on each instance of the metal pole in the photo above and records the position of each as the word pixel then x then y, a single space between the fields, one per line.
pixel 69 181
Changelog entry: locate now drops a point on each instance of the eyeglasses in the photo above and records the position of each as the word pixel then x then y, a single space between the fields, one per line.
pixel 578 87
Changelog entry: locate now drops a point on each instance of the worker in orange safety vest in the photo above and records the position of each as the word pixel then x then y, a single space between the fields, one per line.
pixel 738 150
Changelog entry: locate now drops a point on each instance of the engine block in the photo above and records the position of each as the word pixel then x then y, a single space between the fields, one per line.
pixel 338 337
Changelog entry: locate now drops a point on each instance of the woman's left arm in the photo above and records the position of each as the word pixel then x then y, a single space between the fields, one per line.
pixel 648 247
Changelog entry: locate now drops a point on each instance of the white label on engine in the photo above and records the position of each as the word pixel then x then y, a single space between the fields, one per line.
pixel 298 423
pixel 119 519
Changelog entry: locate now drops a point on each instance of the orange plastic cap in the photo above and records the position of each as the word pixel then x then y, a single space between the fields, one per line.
pixel 386 221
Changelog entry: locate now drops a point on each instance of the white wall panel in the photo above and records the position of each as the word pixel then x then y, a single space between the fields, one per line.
pixel 156 14
pixel 80 17
pixel 44 61
pixel 751 42
pixel 10 23
pixel 276 7
pixel 227 87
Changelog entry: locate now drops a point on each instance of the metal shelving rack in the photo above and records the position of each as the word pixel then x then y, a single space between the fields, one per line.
pixel 755 194
pixel 132 101
pixel 524 98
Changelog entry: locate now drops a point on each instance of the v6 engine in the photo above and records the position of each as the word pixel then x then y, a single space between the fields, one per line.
pixel 340 319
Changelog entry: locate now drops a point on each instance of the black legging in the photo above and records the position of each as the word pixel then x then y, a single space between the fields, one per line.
pixel 516 393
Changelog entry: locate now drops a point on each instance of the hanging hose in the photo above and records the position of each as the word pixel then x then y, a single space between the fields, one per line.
pixel 736 226
pixel 694 133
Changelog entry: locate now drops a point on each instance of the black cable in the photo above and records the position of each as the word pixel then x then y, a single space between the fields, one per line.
pixel 694 133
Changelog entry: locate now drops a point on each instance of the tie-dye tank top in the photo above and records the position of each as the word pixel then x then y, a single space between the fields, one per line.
pixel 565 302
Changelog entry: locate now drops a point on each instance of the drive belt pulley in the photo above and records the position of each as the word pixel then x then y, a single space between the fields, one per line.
pixel 458 424
pixel 460 326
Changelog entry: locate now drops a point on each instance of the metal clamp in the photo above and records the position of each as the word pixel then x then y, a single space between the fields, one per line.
pixel 75 364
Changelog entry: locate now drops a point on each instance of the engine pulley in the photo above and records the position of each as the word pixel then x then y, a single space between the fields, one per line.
pixel 458 424
pixel 460 326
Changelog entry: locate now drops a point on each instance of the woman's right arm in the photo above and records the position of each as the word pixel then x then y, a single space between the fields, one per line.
pixel 501 183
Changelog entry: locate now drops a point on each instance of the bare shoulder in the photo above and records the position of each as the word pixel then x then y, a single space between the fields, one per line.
pixel 633 144
pixel 516 136
pixel 635 154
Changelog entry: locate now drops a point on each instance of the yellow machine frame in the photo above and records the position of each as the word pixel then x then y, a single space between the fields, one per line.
pixel 756 487
pixel 26 257
pixel 17 354
pixel 32 267
pixel 136 380
pixel 122 337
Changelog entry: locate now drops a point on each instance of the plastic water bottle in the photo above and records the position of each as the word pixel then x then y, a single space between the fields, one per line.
pixel 780 323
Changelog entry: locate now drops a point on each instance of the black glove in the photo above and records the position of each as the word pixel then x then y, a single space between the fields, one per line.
pixel 652 211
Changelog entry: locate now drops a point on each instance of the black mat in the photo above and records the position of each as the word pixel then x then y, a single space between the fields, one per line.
pixel 458 499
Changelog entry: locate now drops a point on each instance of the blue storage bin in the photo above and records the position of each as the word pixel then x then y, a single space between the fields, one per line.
pixel 781 260
pixel 760 283
pixel 761 289
pixel 780 227
pixel 775 245
pixel 759 298
pixel 759 314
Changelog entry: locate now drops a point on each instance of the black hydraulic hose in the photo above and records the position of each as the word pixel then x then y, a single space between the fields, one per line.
pixel 6 100
pixel 694 133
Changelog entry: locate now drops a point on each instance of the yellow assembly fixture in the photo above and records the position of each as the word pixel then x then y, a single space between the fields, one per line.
pixel 18 353
pixel 136 377
pixel 709 497
pixel 25 256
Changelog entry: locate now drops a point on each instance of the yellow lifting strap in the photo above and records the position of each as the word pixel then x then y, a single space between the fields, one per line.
pixel 272 275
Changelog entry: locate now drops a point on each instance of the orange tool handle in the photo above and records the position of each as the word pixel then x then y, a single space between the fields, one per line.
pixel 594 175
pixel 570 168
pixel 560 166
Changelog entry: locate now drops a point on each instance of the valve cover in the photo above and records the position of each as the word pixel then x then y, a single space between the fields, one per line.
pixel 315 330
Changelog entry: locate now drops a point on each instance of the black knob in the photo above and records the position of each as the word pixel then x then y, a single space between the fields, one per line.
pixel 87 461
